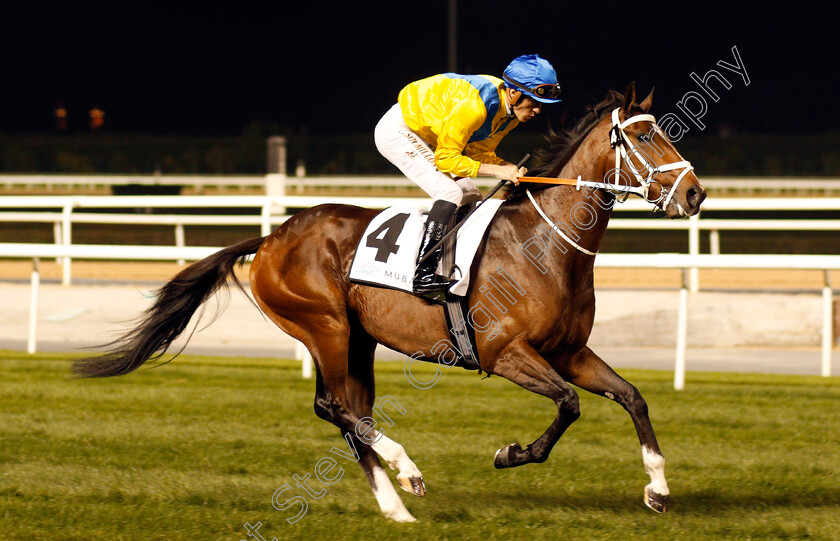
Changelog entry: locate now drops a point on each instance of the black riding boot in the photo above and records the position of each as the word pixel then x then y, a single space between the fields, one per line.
pixel 437 224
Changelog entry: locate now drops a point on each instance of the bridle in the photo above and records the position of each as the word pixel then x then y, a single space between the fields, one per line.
pixel 624 149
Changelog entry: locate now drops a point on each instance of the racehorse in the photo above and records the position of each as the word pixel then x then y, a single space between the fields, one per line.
pixel 299 279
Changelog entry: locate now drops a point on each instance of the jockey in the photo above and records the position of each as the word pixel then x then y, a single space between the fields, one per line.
pixel 444 131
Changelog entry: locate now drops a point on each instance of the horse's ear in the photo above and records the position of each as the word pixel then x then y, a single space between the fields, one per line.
pixel 647 102
pixel 629 96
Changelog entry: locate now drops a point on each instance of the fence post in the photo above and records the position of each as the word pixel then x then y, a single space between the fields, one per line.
pixel 66 236
pixel 275 184
pixel 305 360
pixel 827 326
pixel 682 335
pixel 179 240
pixel 694 249
pixel 265 215
pixel 31 344
pixel 275 180
pixel 714 242
pixel 57 235
pixel 276 155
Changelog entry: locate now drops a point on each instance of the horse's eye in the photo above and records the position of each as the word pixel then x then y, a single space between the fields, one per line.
pixel 644 138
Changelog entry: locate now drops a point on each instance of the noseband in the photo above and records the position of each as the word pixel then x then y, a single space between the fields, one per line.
pixel 624 149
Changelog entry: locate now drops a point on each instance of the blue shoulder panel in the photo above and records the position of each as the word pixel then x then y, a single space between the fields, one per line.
pixel 489 95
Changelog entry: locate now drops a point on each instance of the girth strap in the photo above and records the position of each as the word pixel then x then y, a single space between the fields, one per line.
pixel 454 309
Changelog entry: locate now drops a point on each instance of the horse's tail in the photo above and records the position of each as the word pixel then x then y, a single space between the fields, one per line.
pixel 167 318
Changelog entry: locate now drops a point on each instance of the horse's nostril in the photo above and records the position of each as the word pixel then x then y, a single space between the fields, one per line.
pixel 695 196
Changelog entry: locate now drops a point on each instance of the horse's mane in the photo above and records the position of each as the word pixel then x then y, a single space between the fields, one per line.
pixel 563 144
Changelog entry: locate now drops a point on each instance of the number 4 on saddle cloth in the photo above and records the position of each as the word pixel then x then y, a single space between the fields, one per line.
pixel 387 252
pixel 387 256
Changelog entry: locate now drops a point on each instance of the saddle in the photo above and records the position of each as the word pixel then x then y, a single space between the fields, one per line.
pixel 387 253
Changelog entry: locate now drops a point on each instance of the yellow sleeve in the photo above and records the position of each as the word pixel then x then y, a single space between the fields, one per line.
pixel 463 120
pixel 485 151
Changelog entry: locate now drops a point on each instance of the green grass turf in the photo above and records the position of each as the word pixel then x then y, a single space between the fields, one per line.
pixel 196 448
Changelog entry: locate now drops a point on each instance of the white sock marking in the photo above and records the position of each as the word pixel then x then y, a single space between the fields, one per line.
pixel 655 467
pixel 389 501
pixel 395 456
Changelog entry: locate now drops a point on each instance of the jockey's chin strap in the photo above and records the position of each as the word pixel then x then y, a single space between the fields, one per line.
pixel 624 149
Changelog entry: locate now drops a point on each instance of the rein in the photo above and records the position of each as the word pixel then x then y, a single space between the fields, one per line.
pixel 557 229
pixel 578 183
pixel 624 149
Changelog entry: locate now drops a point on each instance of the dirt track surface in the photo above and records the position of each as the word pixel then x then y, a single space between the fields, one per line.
pixel 753 321
pixel 604 278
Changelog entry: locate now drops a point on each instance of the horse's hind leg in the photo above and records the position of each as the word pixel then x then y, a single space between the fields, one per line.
pixel 521 364
pixel 360 388
pixel 328 338
pixel 360 395
pixel 590 372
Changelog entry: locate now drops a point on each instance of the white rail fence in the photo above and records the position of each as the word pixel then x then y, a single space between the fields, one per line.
pixel 825 263
pixel 48 181
pixel 271 210
pixel 687 262
pixel 280 184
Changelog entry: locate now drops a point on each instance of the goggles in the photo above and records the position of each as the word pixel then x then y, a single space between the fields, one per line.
pixel 548 91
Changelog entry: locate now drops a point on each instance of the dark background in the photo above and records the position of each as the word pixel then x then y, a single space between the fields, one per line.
pixel 335 67
pixel 197 88
pixel 304 69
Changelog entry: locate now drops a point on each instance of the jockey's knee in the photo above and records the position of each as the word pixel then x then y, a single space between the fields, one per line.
pixel 449 192
pixel 471 194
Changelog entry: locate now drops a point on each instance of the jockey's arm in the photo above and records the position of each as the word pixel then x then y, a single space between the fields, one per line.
pixel 491 165
pixel 463 119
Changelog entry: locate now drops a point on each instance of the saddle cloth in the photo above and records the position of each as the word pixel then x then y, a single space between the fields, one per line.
pixel 387 252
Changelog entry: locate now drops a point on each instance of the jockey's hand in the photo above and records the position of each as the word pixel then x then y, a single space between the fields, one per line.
pixel 511 172
pixel 521 172
pixel 505 171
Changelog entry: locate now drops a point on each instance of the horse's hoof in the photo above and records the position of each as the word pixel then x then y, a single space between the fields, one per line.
pixel 400 515
pixel 414 485
pixel 505 456
pixel 657 502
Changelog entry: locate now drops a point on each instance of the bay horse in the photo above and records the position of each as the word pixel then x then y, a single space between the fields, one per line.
pixel 299 279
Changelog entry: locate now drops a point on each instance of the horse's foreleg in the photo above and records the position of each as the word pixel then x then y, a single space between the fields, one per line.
pixel 521 364
pixel 590 372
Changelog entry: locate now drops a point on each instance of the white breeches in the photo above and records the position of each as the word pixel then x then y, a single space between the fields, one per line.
pixel 416 159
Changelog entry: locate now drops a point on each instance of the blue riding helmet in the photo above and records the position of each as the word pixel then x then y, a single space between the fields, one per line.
pixel 533 76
